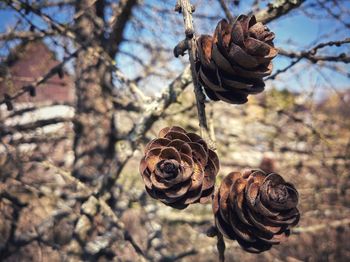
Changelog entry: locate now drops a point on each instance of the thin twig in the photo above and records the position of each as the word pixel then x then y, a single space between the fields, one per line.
pixel 132 85
pixel 15 35
pixel 311 53
pixel 187 10
pixel 276 9
pixel 311 56
pixel 226 10
pixel 221 247
pixel 43 79
pixel 214 232
pixel 280 71
pixel 152 113
pixel 211 123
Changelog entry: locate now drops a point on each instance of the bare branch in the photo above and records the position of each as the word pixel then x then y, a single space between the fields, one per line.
pixel 59 3
pixel 226 10
pixel 331 13
pixel 180 256
pixel 132 85
pixel 312 57
pixel 280 71
pixel 220 245
pixel 122 16
pixel 155 110
pixel 311 54
pixel 41 80
pixel 6 130
pixel 277 9
pixel 25 35
pixel 38 140
pixel 62 29
pixel 186 9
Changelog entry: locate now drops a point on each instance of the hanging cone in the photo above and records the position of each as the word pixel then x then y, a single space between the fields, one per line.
pixel 178 168
pixel 256 209
pixel 231 64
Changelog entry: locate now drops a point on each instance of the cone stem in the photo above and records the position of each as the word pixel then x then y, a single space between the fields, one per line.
pixel 220 245
pixel 186 8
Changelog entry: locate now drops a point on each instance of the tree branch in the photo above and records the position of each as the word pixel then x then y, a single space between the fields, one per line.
pixel 312 57
pixel 25 35
pixel 277 9
pixel 9 130
pixel 226 10
pixel 311 53
pixel 41 80
pixel 59 3
pixel 220 245
pixel 122 16
pixel 154 111
pixel 186 9
pixel 18 5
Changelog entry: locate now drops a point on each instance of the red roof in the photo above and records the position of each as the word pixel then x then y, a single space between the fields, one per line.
pixel 28 62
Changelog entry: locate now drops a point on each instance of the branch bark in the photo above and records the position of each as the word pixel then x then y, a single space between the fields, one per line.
pixel 41 80
pixel 154 111
pixel 28 35
pixel 10 130
pixel 220 245
pixel 312 57
pixel 186 9
pixel 93 123
pixel 122 16
pixel 311 53
pixel 276 9
pixel 226 10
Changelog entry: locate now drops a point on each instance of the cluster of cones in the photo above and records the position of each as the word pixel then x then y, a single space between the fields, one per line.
pixel 255 208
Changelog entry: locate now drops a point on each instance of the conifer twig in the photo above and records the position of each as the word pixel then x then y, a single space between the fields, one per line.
pixel 214 232
pixel 187 9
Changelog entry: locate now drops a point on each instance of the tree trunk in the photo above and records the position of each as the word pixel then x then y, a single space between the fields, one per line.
pixel 94 142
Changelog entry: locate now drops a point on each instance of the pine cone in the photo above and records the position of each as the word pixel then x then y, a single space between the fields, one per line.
pixel 231 65
pixel 178 168
pixel 256 209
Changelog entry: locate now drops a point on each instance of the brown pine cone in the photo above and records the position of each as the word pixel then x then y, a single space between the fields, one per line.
pixel 256 209
pixel 231 64
pixel 178 168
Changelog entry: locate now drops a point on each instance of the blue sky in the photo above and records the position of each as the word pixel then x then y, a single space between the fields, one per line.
pixel 294 32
